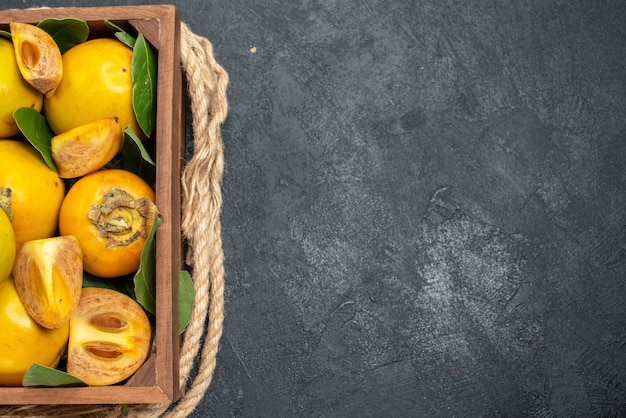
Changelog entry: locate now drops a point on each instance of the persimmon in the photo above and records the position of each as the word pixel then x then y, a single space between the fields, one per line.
pixel 111 213
pixel 30 192
pixel 48 275
pixel 97 83
pixel 24 341
pixel 38 57
pixel 109 337
pixel 7 246
pixel 86 148
pixel 15 92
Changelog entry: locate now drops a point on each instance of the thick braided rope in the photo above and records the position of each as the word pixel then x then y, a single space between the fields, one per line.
pixel 202 201
pixel 202 184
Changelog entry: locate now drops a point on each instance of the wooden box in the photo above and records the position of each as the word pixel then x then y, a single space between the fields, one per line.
pixel 158 379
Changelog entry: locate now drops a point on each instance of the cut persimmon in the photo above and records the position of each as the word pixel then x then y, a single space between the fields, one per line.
pixel 109 337
pixel 38 57
pixel 86 148
pixel 48 276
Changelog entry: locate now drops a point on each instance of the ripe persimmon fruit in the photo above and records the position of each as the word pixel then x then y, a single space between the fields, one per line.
pixel 15 92
pixel 97 83
pixel 30 192
pixel 24 341
pixel 111 213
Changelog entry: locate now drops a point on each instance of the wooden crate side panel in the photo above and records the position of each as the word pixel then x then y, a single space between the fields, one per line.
pixel 82 396
pixel 169 166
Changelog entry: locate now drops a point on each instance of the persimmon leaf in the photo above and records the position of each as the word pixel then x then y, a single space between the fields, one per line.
pixel 121 34
pixel 112 26
pixel 186 294
pixel 144 70
pixel 135 158
pixel 126 39
pixel 121 284
pixel 34 127
pixel 145 278
pixel 67 33
pixel 42 376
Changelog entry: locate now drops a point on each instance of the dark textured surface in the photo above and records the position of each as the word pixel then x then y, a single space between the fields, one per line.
pixel 424 207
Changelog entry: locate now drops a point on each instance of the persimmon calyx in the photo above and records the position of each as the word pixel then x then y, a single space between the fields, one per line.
pixel 121 219
pixel 5 201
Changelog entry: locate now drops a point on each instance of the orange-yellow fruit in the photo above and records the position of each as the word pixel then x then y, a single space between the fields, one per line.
pixel 30 192
pixel 111 213
pixel 48 275
pixel 23 340
pixel 7 246
pixel 87 148
pixel 97 84
pixel 15 92
pixel 38 57
pixel 109 337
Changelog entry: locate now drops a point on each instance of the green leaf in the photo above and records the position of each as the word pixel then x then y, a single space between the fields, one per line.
pixel 185 299
pixel 38 375
pixel 145 278
pixel 36 130
pixel 5 35
pixel 144 69
pixel 122 284
pixel 67 33
pixel 135 158
pixel 112 26
pixel 126 39
pixel 120 34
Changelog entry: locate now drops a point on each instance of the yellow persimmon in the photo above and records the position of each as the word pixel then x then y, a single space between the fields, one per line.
pixel 7 246
pixel 15 92
pixel 97 83
pixel 111 213
pixel 30 192
pixel 24 341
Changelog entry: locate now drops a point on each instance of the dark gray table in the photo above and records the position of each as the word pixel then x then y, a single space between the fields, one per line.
pixel 424 207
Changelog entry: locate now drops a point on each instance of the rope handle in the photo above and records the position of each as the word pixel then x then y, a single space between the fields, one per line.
pixel 202 203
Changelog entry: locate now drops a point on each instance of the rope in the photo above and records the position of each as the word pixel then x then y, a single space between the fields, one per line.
pixel 202 201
